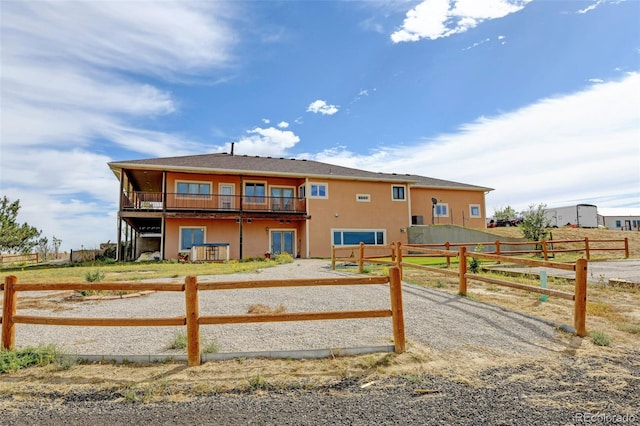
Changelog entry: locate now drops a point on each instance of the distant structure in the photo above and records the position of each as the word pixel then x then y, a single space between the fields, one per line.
pixel 620 219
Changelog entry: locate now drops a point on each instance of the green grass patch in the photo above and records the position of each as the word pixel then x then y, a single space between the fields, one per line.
pixel 600 338
pixel 14 360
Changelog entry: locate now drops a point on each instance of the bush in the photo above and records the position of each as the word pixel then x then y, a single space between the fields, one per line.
pixel 94 276
pixel 600 338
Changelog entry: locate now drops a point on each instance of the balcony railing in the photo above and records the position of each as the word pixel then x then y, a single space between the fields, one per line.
pixel 137 200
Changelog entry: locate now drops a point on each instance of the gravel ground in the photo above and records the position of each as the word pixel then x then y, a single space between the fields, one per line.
pixel 599 389
pixel 428 313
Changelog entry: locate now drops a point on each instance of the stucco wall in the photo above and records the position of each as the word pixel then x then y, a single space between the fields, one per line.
pixel 458 203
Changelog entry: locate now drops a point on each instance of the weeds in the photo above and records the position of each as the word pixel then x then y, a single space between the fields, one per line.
pixel 94 276
pixel 600 338
pixel 179 340
pixel 258 382
pixel 13 360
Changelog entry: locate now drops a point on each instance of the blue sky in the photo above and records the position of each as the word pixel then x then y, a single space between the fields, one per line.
pixel 538 99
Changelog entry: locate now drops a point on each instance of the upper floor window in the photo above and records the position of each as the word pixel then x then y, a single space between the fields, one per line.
pixel 441 210
pixel 318 190
pixel 474 210
pixel 397 192
pixel 193 188
pixel 363 198
pixel 302 191
pixel 255 192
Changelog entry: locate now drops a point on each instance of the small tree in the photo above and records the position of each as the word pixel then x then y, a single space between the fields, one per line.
pixel 15 238
pixel 535 223
pixel 505 213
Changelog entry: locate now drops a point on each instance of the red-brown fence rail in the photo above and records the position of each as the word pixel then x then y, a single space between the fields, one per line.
pixel 192 318
pixel 398 251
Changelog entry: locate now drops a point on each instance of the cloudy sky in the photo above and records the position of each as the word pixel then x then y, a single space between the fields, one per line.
pixel 538 99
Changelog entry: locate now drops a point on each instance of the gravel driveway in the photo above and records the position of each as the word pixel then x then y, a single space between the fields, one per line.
pixel 434 318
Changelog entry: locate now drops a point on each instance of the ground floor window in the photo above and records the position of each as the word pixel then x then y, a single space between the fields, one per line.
pixel 190 237
pixel 349 237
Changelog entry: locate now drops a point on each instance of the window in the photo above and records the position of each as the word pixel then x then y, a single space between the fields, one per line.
pixel 302 191
pixel 474 210
pixel 318 190
pixel 226 198
pixel 190 237
pixel 441 210
pixel 254 192
pixel 281 198
pixel 618 224
pixel 193 188
pixel 397 192
pixel 363 198
pixel 354 237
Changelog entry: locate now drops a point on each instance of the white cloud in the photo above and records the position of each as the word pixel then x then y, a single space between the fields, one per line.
pixel 580 147
pixel 434 19
pixel 266 142
pixel 320 106
pixel 71 88
pixel 283 124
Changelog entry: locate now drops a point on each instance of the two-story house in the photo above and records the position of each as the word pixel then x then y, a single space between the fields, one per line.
pixel 239 206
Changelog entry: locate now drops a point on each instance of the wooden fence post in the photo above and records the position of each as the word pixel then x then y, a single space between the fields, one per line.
pixel 586 248
pixel 447 246
pixel 399 257
pixel 462 270
pixel 397 312
pixel 545 252
pixel 497 243
pixel 626 246
pixel 333 258
pixel 361 261
pixel 580 303
pixel 193 328
pixel 10 303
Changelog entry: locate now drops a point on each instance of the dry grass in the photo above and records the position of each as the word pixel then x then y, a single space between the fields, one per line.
pixel 259 308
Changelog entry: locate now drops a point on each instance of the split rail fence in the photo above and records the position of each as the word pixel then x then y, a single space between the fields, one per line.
pixel 397 250
pixel 192 318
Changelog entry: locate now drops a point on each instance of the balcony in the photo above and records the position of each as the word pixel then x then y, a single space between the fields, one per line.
pixel 154 201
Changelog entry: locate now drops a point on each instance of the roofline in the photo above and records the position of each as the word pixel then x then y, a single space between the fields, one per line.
pixel 120 166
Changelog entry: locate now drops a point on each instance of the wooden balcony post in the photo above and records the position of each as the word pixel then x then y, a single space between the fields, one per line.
pixel 10 304
pixel 361 261
pixel 580 303
pixel 397 312
pixel 193 314
pixel 462 271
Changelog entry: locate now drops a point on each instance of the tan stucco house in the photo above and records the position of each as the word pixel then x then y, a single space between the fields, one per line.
pixel 239 206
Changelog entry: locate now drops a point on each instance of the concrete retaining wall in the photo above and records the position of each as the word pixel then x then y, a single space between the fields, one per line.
pixel 440 234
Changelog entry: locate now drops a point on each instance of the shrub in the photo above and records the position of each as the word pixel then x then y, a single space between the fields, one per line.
pixel 600 338
pixel 94 276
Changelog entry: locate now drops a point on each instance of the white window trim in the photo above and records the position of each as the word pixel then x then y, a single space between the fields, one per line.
pixel 471 207
pixel 181 195
pixel 436 210
pixel 384 233
pixel 405 192
pixel 204 234
pixel 220 195
pixel 363 198
pixel 326 191
pixel 266 191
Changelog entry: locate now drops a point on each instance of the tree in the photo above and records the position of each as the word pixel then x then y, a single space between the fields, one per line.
pixel 15 238
pixel 535 223
pixel 505 213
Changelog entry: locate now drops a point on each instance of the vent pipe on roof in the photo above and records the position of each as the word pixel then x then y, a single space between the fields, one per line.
pixel 232 144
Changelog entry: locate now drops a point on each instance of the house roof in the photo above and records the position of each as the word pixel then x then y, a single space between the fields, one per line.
pixel 255 165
